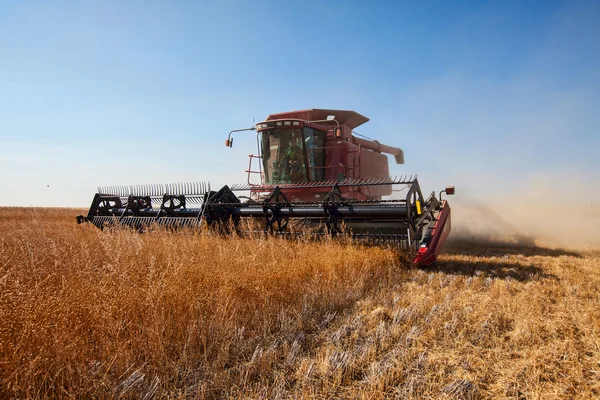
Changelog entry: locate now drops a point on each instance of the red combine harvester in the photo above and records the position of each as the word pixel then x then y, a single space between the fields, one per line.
pixel 312 176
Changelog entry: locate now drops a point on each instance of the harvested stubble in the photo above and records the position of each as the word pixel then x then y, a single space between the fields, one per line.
pixel 117 314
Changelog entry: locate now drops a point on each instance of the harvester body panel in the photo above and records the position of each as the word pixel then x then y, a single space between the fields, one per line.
pixel 435 236
pixel 300 146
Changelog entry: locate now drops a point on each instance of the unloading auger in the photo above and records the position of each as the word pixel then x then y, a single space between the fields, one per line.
pixel 315 177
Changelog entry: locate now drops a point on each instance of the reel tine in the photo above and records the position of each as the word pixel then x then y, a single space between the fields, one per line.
pixel 195 188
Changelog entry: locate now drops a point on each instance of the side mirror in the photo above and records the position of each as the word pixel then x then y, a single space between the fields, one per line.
pixel 229 141
pixel 449 190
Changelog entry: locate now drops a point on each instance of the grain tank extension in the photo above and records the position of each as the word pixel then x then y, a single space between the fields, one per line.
pixel 312 175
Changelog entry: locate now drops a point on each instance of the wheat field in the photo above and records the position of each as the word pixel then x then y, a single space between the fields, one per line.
pixel 115 314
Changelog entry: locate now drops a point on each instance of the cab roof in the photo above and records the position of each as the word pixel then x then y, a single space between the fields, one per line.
pixel 351 119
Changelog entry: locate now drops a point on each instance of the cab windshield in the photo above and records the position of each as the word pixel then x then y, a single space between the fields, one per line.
pixel 292 155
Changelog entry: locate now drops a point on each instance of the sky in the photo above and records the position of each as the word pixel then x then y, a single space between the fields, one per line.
pixel 492 97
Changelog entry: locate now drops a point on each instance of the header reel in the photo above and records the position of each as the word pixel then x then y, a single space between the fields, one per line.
pixel 410 222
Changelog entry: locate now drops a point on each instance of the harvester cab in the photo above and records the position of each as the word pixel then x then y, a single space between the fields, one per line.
pixel 312 176
pixel 317 145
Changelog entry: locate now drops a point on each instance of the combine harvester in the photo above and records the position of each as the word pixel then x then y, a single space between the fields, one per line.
pixel 313 176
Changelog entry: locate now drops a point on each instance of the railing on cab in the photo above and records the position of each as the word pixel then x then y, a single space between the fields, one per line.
pixel 249 171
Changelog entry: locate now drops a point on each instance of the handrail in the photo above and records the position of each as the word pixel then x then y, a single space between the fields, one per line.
pixel 250 171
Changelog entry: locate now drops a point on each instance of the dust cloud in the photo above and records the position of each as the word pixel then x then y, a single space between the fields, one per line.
pixel 549 211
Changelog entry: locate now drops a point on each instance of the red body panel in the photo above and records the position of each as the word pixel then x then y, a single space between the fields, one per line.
pixel 343 158
pixel 428 254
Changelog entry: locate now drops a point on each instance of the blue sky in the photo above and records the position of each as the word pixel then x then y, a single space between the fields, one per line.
pixel 483 95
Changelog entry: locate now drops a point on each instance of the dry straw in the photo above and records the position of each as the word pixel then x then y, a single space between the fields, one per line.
pixel 86 313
